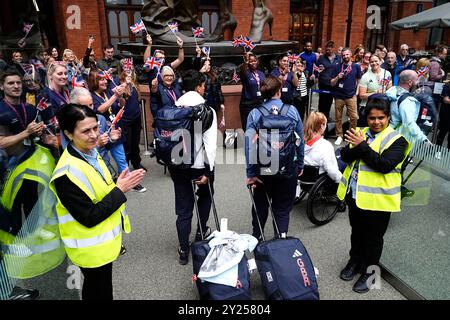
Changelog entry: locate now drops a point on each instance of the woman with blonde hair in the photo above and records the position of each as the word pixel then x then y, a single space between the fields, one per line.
pixel 73 65
pixel 318 151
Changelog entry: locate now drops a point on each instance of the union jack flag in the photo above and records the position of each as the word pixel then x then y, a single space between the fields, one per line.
pixel 293 57
pixel 37 64
pixel 43 104
pixel 27 27
pixel 317 69
pixel 173 26
pixel 105 75
pixel 238 42
pixel 206 50
pixel 235 78
pixel 198 32
pixel 118 116
pixel 153 63
pixel 128 64
pixel 248 44
pixel 77 81
pixel 28 69
pixel 422 72
pixel 137 27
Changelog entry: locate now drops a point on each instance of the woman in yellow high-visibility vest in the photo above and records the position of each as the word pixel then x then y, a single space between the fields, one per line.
pixel 371 187
pixel 90 206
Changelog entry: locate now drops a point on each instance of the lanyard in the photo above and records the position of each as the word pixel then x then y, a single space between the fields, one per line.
pixel 64 98
pixel 258 80
pixel 23 122
pixel 172 95
pixel 104 98
pixel 347 70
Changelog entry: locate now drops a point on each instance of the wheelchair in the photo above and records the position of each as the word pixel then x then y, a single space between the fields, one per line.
pixel 322 203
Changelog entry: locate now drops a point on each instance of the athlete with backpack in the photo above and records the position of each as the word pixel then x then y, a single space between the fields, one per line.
pixel 274 147
pixel 185 140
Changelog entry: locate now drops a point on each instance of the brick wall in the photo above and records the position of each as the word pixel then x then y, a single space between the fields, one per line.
pixel 243 11
pixel 414 39
pixel 93 22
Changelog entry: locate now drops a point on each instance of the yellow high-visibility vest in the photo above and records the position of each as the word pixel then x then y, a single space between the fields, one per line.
pixel 99 245
pixel 30 254
pixel 374 190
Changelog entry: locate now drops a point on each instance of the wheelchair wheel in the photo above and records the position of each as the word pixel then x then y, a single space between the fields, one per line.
pixel 323 203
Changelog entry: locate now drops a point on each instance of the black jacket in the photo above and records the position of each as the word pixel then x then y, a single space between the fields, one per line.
pixel 80 205
pixel 384 162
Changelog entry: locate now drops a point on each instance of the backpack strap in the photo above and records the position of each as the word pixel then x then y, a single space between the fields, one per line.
pixel 403 97
pixel 263 110
pixel 284 110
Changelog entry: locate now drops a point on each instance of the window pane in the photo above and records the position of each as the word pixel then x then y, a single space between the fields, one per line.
pixel 113 28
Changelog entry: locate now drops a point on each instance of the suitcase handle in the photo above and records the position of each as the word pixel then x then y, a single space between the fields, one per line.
pixel 252 197
pixel 213 204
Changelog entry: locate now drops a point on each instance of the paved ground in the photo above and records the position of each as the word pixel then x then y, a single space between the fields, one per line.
pixel 150 270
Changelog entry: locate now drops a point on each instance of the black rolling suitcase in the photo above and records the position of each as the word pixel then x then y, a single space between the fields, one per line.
pixel 213 291
pixel 284 265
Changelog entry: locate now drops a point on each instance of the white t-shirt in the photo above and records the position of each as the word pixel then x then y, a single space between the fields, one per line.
pixel 374 82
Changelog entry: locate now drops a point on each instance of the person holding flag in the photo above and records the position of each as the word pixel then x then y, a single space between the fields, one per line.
pixel 288 77
pixel 166 92
pixel 251 79
pixel 345 81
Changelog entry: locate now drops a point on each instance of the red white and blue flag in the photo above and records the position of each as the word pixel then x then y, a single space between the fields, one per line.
pixel 238 42
pixel 235 78
pixel 77 81
pixel 317 69
pixel 153 63
pixel 118 116
pixel 43 104
pixel 128 64
pixel 248 44
pixel 27 27
pixel 198 32
pixel 173 26
pixel 206 50
pixel 293 58
pixel 423 71
pixel 105 75
pixel 137 27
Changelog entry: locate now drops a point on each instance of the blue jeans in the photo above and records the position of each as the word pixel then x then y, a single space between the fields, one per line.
pixel 118 154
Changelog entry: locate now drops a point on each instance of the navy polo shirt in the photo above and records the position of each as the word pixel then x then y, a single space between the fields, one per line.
pixel 250 87
pixel 310 59
pixel 346 87
pixel 18 120
pixel 132 109
pixel 56 99
pixel 99 99
pixel 328 65
pixel 287 91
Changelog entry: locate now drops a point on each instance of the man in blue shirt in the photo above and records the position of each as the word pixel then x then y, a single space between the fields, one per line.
pixel 310 57
pixel 345 81
pixel 326 64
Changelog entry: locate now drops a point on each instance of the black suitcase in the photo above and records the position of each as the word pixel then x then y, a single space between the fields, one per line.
pixel 284 265
pixel 200 249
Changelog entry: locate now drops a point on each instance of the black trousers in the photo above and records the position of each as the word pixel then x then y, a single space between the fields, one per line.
pixel 325 99
pixel 97 283
pixel 281 191
pixel 368 229
pixel 184 201
pixel 444 125
pixel 132 134
pixel 300 104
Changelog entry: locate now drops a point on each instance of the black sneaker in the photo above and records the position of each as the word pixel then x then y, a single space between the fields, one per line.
pixel 183 256
pixel 123 250
pixel 206 233
pixel 19 293
pixel 139 189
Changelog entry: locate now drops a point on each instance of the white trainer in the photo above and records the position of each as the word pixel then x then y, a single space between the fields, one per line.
pixel 338 141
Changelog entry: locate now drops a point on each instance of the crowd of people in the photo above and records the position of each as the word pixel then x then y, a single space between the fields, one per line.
pixel 82 112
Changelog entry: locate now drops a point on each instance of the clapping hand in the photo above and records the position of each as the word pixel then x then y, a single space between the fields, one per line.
pixel 354 137
pixel 128 180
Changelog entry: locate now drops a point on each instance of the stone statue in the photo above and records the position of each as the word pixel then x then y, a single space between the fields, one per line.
pixel 157 13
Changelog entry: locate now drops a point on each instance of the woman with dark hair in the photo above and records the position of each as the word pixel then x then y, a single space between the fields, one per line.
pixel 281 188
pixel 213 89
pixel 90 206
pixel 251 79
pixel 370 186
pixel 54 53
pixel 288 77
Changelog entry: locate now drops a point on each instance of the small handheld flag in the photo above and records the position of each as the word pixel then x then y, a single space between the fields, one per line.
pixel 77 81
pixel 117 118
pixel 235 78
pixel 128 64
pixel 238 42
pixel 206 51
pixel 173 26
pixel 423 71
pixel 43 104
pixel 198 32
pixel 153 63
pixel 138 27
pixel 248 44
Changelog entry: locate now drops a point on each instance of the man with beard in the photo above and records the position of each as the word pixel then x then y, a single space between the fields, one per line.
pixel 310 57
pixel 404 116
pixel 345 80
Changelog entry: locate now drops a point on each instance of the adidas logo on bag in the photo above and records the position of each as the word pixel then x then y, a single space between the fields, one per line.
pixel 297 254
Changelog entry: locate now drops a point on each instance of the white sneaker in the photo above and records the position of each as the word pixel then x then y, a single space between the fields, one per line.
pixel 338 141
pixel 438 155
